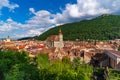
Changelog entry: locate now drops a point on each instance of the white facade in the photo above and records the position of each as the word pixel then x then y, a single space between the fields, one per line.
pixel 8 39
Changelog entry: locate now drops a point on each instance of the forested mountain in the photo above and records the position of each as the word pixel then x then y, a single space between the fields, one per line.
pixel 25 38
pixel 103 27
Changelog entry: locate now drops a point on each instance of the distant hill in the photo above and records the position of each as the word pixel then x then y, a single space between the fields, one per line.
pixel 103 27
pixel 26 38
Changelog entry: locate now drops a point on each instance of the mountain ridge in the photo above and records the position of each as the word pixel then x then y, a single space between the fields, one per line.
pixel 103 27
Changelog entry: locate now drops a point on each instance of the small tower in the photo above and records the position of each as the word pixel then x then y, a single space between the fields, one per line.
pixel 60 35
pixel 8 39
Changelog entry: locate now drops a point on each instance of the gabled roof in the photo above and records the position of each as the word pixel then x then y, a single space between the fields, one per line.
pixel 21 46
pixel 113 52
pixel 53 38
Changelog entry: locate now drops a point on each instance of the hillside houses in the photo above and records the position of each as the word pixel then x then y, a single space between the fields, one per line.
pixel 56 48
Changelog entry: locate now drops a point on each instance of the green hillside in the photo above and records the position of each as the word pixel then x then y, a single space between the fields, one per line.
pixel 103 27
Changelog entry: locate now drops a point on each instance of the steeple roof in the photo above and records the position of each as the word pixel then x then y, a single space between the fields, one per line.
pixel 8 37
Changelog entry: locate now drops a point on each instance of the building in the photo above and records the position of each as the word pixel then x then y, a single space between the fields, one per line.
pixel 55 40
pixel 8 39
pixel 113 58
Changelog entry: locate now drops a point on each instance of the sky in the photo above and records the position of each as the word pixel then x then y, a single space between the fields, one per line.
pixel 28 18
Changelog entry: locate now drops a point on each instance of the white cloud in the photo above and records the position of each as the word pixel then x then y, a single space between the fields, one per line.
pixel 6 3
pixel 5 27
pixel 9 25
pixel 25 30
pixel 35 32
pixel 43 19
pixel 83 9
pixel 86 9
pixel 32 10
pixel 30 33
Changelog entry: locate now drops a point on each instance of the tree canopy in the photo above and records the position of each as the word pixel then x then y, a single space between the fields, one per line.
pixel 18 66
pixel 103 27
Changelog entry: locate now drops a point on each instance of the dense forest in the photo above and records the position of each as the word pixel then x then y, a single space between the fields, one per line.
pixel 103 27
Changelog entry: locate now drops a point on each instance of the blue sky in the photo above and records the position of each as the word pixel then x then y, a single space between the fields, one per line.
pixel 23 18
pixel 22 13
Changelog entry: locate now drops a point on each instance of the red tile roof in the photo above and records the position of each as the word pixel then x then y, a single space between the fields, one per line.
pixel 113 52
pixel 21 47
pixel 53 38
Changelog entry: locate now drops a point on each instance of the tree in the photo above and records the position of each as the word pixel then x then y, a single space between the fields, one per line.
pixel 1 75
pixel 42 61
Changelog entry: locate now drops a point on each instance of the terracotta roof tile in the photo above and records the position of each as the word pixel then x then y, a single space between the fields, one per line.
pixel 53 38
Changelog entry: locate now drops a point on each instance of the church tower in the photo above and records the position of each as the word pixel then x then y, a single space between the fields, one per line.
pixel 60 35
pixel 8 39
pixel 61 43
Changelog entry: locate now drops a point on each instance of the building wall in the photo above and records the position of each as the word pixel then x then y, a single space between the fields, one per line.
pixel 60 37
pixel 49 44
pixel 118 66
pixel 58 44
pixel 112 63
pixel 118 63
pixel 87 59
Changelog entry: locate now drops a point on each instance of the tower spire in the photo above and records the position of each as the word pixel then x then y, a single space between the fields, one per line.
pixel 8 39
pixel 60 35
pixel 60 32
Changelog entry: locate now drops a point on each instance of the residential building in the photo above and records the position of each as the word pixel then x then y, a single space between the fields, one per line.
pixel 113 58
